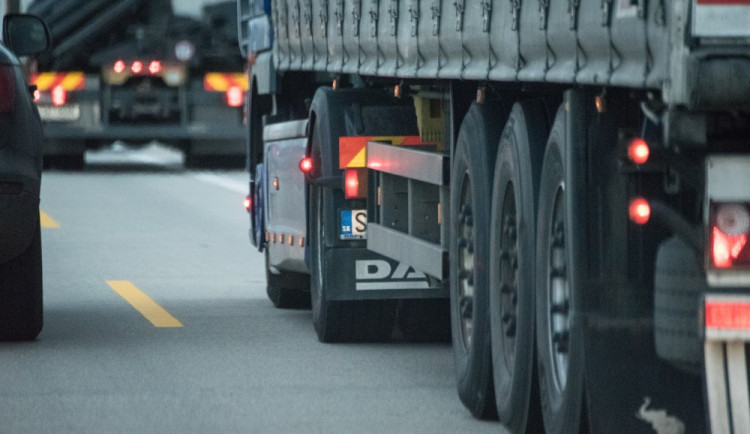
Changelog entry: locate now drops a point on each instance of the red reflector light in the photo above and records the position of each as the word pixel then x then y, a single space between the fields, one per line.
pixel 638 151
pixel 154 67
pixel 351 184
pixel 726 248
pixel 119 67
pixel 639 211
pixel 729 229
pixel 136 67
pixel 7 90
pixel 305 165
pixel 58 95
pixel 248 203
pixel 728 315
pixel 234 96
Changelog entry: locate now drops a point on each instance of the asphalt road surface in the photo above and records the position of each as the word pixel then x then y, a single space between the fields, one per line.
pixel 156 320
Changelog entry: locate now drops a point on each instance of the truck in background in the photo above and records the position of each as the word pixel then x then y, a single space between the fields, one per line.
pixel 135 71
pixel 570 175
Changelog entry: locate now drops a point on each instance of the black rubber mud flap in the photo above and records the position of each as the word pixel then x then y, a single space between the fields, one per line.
pixel 512 237
pixel 287 289
pixel 21 293
pixel 471 184
pixel 678 285
pixel 337 315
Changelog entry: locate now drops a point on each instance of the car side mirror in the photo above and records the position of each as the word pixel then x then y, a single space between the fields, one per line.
pixel 25 34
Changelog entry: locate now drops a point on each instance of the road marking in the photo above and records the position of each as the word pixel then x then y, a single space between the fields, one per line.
pixel 225 183
pixel 47 222
pixel 144 304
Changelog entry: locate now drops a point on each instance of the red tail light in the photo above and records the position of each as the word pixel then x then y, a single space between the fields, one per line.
pixel 248 203
pixel 731 226
pixel 639 211
pixel 154 67
pixel 58 95
pixel 7 90
pixel 119 67
pixel 305 165
pixel 234 96
pixel 37 95
pixel 351 183
pixel 355 183
pixel 638 151
pixel 137 67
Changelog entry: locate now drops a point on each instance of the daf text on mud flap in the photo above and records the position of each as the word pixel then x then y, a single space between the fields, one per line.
pixel 375 274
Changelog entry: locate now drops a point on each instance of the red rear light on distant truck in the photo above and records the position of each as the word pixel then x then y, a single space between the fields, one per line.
pixel 234 96
pixel 248 203
pixel 59 95
pixel 154 67
pixel 119 67
pixel 137 67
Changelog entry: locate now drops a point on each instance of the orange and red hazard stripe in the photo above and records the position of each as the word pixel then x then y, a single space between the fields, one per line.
pixel 224 81
pixel 66 80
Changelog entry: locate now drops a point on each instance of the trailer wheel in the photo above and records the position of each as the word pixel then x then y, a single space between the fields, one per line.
pixel 471 183
pixel 21 294
pixel 558 334
pixel 341 321
pixel 512 241
pixel 287 289
pixel 678 284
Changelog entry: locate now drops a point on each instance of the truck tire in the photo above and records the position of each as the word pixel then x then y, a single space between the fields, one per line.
pixel 341 321
pixel 512 240
pixel 424 320
pixel 558 334
pixel 287 289
pixel 470 188
pixel 21 294
pixel 678 284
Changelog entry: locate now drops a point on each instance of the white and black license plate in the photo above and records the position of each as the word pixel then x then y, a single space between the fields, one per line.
pixel 353 224
pixel 66 113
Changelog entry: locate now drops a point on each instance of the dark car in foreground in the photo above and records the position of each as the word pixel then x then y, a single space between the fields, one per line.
pixel 20 180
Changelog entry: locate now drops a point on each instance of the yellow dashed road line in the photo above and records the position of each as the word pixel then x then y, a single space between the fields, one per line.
pixel 144 304
pixel 47 221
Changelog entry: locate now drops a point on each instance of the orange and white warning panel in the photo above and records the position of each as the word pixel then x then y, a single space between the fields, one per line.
pixel 727 337
pixel 353 149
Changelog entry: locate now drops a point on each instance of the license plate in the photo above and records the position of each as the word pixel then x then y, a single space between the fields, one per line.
pixel 353 224
pixel 70 112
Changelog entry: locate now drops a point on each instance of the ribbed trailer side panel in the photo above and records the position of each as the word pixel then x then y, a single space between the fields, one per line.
pixel 593 42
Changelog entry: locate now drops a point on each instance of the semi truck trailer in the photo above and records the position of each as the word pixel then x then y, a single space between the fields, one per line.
pixel 561 185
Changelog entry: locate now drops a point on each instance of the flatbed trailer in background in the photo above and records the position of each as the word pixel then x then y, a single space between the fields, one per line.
pixel 570 176
pixel 135 71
